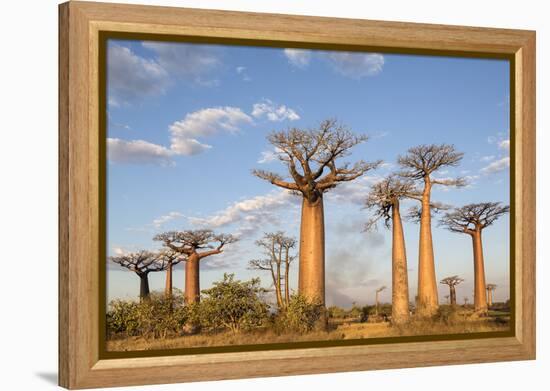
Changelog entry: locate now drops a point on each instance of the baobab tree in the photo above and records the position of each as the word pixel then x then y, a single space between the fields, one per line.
pixel 384 199
pixel 142 263
pixel 172 258
pixel 311 159
pixel 448 298
pixel 452 282
pixel 189 243
pixel 419 164
pixel 472 219
pixel 277 248
pixel 490 289
pixel 466 299
pixel 376 300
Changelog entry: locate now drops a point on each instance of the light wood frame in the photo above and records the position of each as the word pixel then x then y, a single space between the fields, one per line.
pixel 80 23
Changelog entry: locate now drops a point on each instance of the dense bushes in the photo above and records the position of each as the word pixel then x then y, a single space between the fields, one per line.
pixel 232 305
pixel 157 317
pixel 229 305
pixel 299 316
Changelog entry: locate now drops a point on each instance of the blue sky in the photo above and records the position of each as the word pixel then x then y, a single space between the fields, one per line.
pixel 187 123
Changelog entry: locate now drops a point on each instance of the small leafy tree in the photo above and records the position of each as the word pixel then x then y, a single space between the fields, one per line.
pixel 233 305
pixel 300 316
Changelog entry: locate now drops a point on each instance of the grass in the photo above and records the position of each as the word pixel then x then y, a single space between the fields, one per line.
pixel 459 323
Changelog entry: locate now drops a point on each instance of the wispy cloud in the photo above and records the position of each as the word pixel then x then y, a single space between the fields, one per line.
pixel 137 152
pixel 269 156
pixel 131 76
pixel 354 192
pixel 204 123
pixel 160 221
pixel 242 71
pixel 185 60
pixel 354 65
pixel 184 137
pixel 249 215
pixel 273 112
pixel 299 58
pixel 504 144
pixel 496 166
pixel 487 158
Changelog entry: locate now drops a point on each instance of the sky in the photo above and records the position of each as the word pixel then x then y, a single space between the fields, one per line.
pixel 188 122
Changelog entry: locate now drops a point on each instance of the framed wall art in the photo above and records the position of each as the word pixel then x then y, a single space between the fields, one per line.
pixel 247 195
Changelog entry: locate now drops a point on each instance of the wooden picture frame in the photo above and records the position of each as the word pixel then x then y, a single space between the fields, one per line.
pixel 81 24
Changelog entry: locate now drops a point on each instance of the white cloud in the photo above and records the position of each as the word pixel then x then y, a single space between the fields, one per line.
pixel 204 123
pixel 160 221
pixel 355 191
pixel 249 214
pixel 496 166
pixel 269 156
pixel 130 76
pixel 487 158
pixel 504 144
pixel 185 59
pixel 272 112
pixel 299 58
pixel 137 152
pixel 356 65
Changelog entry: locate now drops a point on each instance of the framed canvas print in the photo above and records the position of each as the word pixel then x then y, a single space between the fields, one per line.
pixel 247 195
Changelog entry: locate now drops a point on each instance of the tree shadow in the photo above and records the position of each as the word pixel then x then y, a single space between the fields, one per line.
pixel 49 377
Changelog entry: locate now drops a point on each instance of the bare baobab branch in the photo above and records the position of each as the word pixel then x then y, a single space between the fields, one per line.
pixel 471 219
pixel 309 153
pixel 423 160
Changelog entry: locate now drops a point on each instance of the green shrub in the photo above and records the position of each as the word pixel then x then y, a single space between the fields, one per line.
pixel 231 305
pixel 300 316
pixel 157 317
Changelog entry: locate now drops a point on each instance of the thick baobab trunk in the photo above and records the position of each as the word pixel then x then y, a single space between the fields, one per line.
pixel 192 282
pixel 400 284
pixel 453 295
pixel 480 293
pixel 168 286
pixel 427 285
pixel 311 281
pixel 144 286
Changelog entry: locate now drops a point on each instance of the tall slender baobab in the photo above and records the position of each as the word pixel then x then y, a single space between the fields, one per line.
pixel 310 157
pixel 384 198
pixel 172 258
pixel 472 219
pixel 376 300
pixel 419 164
pixel 189 243
pixel 452 282
pixel 490 289
pixel 142 263
pixel 277 247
